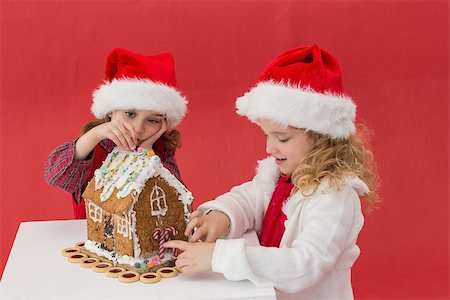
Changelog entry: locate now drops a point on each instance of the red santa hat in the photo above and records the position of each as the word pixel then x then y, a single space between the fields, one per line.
pixel 302 88
pixel 136 81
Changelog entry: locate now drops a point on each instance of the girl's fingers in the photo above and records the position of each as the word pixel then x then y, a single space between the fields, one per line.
pixel 182 266
pixel 180 263
pixel 185 269
pixel 194 219
pixel 182 245
pixel 197 235
pixel 127 134
pixel 118 138
pixel 195 213
pixel 191 225
pixel 132 131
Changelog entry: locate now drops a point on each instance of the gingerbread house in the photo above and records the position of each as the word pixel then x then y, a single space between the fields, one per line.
pixel 134 205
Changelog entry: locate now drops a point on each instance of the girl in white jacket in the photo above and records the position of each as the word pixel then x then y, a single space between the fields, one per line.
pixel 304 201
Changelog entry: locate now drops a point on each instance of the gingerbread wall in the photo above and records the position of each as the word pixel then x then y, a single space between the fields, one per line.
pixel 146 223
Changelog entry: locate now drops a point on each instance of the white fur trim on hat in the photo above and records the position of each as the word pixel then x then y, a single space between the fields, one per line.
pixel 133 93
pixel 289 105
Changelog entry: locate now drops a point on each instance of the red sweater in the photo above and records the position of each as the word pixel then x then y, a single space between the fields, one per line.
pixel 273 224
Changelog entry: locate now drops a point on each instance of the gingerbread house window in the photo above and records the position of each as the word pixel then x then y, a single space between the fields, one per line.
pixel 123 227
pixel 95 212
pixel 158 202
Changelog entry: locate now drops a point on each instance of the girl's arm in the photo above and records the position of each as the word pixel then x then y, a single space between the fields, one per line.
pixel 242 206
pixel 118 131
pixel 64 171
pixel 327 235
pixel 69 165
pixel 325 240
pixel 85 144
pixel 232 214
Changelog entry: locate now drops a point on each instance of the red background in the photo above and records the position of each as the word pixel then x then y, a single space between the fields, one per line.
pixel 395 60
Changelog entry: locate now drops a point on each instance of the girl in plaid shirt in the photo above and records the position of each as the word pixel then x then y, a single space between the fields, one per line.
pixel 135 107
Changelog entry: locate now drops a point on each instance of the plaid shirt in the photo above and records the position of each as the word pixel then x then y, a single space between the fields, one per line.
pixel 72 176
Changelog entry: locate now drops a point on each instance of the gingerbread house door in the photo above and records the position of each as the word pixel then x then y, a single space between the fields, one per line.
pixel 108 232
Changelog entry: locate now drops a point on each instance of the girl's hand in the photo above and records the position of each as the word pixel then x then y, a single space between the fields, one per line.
pixel 196 257
pixel 118 131
pixel 207 228
pixel 148 143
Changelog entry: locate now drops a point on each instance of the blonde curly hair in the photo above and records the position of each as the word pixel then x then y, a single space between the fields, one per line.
pixel 337 159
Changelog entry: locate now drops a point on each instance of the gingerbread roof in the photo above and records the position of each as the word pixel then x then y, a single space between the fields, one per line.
pixel 117 184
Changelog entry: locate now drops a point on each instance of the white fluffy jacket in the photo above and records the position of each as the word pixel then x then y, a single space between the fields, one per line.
pixel 318 247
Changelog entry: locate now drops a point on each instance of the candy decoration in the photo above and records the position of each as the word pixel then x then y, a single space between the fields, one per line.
pixel 157 235
pixel 163 236
pixel 149 153
pixel 170 231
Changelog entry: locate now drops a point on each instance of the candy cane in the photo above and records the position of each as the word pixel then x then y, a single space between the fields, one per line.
pixel 159 236
pixel 176 251
pixel 167 231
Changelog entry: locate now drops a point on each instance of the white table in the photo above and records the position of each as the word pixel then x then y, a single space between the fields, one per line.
pixel 37 270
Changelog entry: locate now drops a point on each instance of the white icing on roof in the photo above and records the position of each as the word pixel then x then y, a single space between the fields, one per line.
pixel 129 171
pixel 125 171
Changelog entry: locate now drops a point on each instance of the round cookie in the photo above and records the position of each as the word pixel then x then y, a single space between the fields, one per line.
pixel 77 257
pixel 70 251
pixel 88 262
pixel 167 272
pixel 80 244
pixel 150 278
pixel 101 267
pixel 114 272
pixel 129 277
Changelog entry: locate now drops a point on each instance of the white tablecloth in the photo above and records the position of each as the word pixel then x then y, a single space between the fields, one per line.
pixel 37 270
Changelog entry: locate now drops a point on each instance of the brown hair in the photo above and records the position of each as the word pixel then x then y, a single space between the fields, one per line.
pixel 337 159
pixel 171 139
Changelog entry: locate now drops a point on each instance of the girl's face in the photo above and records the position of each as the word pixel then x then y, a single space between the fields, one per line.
pixel 144 122
pixel 288 146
